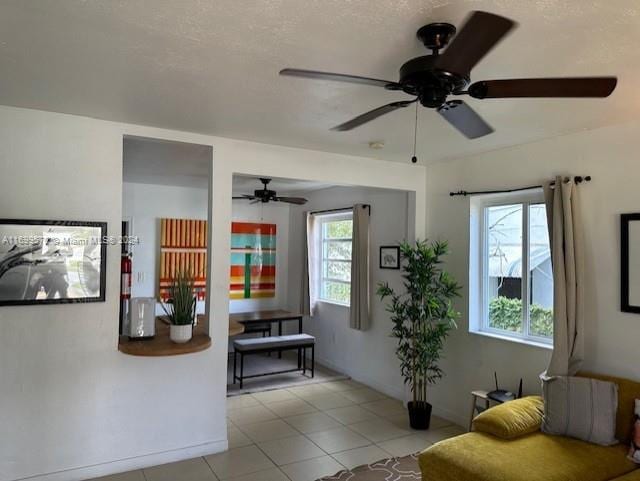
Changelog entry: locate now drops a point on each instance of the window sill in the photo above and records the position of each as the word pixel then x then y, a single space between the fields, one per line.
pixel 527 342
pixel 333 303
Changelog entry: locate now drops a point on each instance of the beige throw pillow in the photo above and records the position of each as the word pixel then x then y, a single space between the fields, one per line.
pixel 580 408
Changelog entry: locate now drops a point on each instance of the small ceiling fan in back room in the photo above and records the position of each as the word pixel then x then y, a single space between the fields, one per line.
pixel 433 78
pixel 265 195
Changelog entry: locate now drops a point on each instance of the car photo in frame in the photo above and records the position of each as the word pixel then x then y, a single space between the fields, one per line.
pixel 52 262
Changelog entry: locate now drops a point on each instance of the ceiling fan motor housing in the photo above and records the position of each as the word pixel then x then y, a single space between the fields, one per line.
pixel 420 77
pixel 265 195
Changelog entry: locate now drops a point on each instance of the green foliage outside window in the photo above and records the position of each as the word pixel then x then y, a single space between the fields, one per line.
pixel 340 229
pixel 506 314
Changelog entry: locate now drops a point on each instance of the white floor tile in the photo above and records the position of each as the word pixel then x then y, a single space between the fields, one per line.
pixel 329 400
pixel 237 438
pixel 308 390
pixel 272 474
pixel 360 456
pixel 338 439
pixel 385 407
pixel 341 386
pixel 379 430
pixel 435 435
pixel 249 415
pixel 190 470
pixel 310 423
pixel 351 414
pixel 238 462
pixel 268 430
pixel 292 407
pixel 402 421
pixel 267 397
pixel 243 401
pixel 291 450
pixel 312 469
pixel 405 446
pixel 364 395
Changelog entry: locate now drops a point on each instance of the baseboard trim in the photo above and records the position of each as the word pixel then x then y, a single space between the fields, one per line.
pixel 394 393
pixel 365 379
pixel 451 416
pixel 129 464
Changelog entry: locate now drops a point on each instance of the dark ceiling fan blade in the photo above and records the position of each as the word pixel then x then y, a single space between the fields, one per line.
pixel 291 200
pixel 338 77
pixel 544 87
pixel 244 197
pixel 372 114
pixel 464 119
pixel 481 32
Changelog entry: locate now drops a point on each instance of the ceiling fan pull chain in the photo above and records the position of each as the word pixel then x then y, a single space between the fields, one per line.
pixel 414 159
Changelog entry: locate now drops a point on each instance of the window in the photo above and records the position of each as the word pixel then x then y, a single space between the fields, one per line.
pixel 513 272
pixel 335 269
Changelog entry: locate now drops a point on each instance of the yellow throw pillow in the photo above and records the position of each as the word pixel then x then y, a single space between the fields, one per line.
pixel 511 419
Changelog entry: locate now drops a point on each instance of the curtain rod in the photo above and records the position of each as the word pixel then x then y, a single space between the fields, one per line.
pixel 342 209
pixel 578 179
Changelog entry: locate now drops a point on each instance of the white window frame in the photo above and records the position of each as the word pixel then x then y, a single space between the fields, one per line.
pixel 478 266
pixel 324 219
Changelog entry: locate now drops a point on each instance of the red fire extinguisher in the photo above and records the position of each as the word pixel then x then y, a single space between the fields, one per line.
pixel 125 291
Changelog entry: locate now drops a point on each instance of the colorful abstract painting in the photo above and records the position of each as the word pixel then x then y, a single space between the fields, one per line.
pixel 253 260
pixel 183 247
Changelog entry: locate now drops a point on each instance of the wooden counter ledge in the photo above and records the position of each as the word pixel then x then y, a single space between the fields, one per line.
pixel 161 345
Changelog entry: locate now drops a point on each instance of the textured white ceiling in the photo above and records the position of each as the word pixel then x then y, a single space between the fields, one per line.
pixel 155 161
pixel 212 66
pixel 162 162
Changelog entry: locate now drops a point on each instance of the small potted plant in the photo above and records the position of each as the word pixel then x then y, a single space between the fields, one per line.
pixel 422 318
pixel 181 308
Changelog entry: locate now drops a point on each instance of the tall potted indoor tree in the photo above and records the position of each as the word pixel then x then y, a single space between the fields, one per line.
pixel 181 307
pixel 422 317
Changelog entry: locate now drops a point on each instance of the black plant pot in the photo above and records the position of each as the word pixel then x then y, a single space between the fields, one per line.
pixel 419 415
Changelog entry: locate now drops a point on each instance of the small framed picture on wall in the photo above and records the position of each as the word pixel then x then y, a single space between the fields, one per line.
pixel 389 257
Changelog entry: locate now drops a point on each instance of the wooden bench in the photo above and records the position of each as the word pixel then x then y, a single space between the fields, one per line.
pixel 299 342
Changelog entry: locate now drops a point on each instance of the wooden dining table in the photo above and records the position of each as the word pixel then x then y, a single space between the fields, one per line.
pixel 277 315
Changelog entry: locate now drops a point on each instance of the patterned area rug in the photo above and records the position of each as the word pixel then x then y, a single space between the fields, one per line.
pixel 392 469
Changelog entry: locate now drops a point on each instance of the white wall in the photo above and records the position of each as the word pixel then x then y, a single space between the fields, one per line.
pixel 610 155
pixel 71 405
pixel 367 356
pixel 146 204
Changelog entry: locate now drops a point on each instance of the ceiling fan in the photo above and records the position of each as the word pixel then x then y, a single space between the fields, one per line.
pixel 433 78
pixel 265 196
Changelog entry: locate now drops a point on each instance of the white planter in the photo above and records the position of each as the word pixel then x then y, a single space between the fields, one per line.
pixel 180 334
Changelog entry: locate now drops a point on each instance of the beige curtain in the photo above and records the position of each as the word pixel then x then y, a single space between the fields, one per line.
pixel 567 257
pixel 359 313
pixel 310 276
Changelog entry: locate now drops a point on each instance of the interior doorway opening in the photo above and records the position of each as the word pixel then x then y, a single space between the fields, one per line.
pixel 270 267
pixel 167 216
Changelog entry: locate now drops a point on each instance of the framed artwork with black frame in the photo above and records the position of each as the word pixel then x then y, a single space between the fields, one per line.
pixel 390 257
pixel 630 262
pixel 52 262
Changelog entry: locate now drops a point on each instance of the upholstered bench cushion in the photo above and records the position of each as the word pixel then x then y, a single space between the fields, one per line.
pixel 274 342
pixel 534 457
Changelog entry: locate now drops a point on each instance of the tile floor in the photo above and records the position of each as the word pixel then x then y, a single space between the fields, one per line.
pixel 303 433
